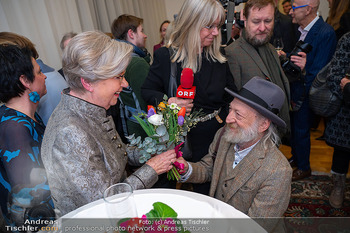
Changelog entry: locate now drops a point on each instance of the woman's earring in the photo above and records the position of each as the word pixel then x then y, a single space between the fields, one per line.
pixel 34 96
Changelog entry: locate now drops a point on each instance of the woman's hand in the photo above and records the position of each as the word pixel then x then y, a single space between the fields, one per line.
pixel 187 103
pixel 299 60
pixel 343 82
pixel 163 162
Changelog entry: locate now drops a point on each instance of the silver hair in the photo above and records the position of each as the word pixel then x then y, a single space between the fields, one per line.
pixel 271 136
pixel 94 56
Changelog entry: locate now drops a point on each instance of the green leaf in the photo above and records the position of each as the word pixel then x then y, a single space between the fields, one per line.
pixel 145 126
pixel 153 214
pixel 164 210
pixel 171 128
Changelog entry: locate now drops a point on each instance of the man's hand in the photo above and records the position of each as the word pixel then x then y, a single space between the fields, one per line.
pixel 299 60
pixel 187 103
pixel 183 161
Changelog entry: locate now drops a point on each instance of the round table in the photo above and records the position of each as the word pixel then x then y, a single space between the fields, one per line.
pixel 197 210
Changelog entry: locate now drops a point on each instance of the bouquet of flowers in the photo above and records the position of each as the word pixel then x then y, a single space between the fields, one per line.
pixel 166 129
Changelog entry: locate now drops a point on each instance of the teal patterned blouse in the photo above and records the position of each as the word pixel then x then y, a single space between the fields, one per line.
pixel 24 189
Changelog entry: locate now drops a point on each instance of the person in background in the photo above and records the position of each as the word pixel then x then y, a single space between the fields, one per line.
pixel 24 189
pixel 285 30
pixel 287 5
pixel 235 32
pixel 129 29
pixel 252 54
pixel 345 85
pixel 244 165
pixel 55 83
pixel 194 42
pixel 322 38
pixel 162 31
pixel 339 19
pixel 338 126
pixel 339 16
pixel 81 150
pixel 64 41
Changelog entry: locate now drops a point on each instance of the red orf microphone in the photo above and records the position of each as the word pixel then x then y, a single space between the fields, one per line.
pixel 186 90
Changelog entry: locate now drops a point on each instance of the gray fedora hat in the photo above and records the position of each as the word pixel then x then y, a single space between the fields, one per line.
pixel 264 96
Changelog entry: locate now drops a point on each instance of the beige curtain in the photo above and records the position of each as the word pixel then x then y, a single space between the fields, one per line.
pixel 44 22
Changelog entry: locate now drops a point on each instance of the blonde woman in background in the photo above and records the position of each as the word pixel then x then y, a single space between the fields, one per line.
pixel 194 42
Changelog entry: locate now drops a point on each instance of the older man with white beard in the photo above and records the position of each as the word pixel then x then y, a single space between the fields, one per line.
pixel 244 165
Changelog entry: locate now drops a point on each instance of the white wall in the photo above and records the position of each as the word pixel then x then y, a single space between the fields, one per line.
pixel 323 9
pixel 173 7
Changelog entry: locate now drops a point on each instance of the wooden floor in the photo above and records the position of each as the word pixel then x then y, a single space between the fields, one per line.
pixel 321 154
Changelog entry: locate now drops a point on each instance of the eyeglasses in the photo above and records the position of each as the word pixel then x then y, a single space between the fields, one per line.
pixel 120 77
pixel 211 27
pixel 296 7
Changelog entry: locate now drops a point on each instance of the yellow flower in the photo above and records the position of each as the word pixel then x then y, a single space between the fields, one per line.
pixel 162 106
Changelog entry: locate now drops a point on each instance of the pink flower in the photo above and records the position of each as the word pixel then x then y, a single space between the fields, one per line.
pixel 177 150
pixel 178 165
pixel 133 225
pixel 161 225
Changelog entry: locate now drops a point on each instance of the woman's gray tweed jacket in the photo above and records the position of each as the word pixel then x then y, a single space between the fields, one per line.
pixel 83 155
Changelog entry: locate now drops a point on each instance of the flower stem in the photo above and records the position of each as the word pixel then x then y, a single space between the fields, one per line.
pixel 173 174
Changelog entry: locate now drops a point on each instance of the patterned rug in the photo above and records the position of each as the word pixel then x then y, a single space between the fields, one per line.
pixel 310 199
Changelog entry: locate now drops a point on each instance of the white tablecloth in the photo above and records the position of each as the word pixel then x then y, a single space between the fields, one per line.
pixel 188 205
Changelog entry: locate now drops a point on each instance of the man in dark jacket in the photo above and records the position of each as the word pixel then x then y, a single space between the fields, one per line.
pixel 322 38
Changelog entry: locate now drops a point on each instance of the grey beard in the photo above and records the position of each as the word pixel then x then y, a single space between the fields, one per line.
pixel 243 136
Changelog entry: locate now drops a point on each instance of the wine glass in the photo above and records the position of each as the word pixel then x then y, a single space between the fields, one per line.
pixel 278 43
pixel 119 201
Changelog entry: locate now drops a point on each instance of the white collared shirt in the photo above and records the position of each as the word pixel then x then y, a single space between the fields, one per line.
pixel 306 30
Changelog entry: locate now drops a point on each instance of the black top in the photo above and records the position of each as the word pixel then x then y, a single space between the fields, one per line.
pixel 344 25
pixel 346 94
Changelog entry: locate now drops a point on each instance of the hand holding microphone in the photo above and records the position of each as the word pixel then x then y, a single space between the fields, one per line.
pixel 186 91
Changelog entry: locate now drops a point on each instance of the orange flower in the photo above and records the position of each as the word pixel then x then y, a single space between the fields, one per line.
pixel 182 112
pixel 162 106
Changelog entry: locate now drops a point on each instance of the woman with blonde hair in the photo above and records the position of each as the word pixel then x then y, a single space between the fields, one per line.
pixel 82 151
pixel 339 16
pixel 194 42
